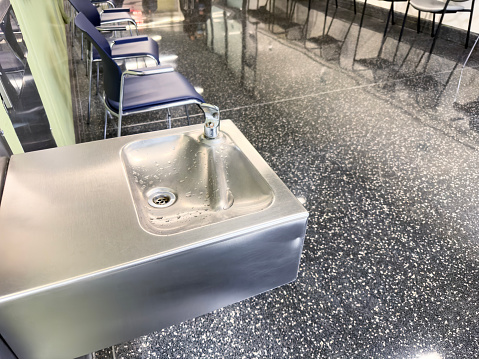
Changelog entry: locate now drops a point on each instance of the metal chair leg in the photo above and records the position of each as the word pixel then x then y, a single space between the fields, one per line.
pixel 403 22
pixel 119 124
pixel 106 123
pixel 88 58
pixel 418 22
pixel 168 118
pixel 89 84
pixel 97 78
pixel 392 13
pixel 326 14
pixel 187 115
pixel 387 22
pixel 362 15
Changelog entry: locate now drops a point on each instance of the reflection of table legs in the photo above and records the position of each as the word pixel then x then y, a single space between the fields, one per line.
pixel 465 62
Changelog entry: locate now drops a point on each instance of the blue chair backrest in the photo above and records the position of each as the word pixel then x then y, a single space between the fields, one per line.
pixel 88 9
pixel 111 71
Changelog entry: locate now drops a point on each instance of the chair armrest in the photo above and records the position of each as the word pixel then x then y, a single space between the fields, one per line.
pixel 104 28
pixel 126 40
pixel 149 71
pixel 117 9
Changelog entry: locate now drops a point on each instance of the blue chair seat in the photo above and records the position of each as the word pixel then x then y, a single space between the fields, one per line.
pixel 135 46
pixel 109 17
pixel 169 88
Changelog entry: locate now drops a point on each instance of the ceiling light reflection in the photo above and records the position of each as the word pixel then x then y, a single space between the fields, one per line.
pixel 430 355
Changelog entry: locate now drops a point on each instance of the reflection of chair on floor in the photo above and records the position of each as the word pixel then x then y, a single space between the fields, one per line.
pixel 469 109
pixel 437 7
pixel 283 20
pixel 141 90
pixel 121 49
pixel 383 66
pixel 326 40
pixel 12 59
pixel 427 87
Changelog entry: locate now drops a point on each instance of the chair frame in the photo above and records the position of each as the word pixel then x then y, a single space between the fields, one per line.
pixel 105 26
pixel 98 61
pixel 211 112
pixel 143 72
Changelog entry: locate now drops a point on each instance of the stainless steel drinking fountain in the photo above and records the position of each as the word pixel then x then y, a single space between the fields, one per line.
pixel 106 241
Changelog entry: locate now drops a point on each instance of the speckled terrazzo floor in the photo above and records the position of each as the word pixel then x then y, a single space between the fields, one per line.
pixel 388 164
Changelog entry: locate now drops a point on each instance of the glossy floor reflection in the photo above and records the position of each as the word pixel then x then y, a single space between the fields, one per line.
pixel 366 130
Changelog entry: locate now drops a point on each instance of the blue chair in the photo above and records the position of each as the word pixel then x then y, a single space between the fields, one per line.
pixel 107 16
pixel 108 20
pixel 141 90
pixel 121 49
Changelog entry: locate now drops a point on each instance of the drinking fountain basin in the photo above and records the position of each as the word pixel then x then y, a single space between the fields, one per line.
pixel 106 241
pixel 195 182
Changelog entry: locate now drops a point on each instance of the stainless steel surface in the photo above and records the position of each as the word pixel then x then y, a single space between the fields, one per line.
pixel 161 197
pixel 212 120
pixel 206 176
pixel 79 273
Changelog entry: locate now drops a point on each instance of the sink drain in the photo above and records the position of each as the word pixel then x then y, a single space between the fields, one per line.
pixel 161 198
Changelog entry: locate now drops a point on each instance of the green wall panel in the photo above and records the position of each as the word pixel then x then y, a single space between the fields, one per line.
pixel 43 28
pixel 9 131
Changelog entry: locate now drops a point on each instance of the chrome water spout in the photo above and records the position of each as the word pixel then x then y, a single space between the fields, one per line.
pixel 212 120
